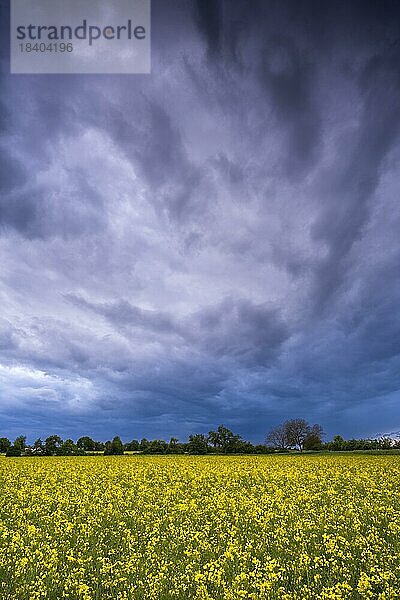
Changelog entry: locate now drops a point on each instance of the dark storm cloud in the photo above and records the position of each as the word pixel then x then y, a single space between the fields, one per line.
pixel 374 322
pixel 209 17
pixel 12 172
pixel 155 147
pixel 249 333
pixel 215 242
pixel 165 164
pixel 288 74
pixel 285 62
pixel 350 191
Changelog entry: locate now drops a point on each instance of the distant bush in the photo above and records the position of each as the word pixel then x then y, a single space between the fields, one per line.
pixel 341 445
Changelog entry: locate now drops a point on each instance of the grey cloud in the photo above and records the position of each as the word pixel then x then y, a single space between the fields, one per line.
pixel 374 321
pixel 165 163
pixel 209 16
pixel 123 314
pixel 155 147
pixel 233 171
pixel 347 212
pixel 236 328
pixel 8 336
pixel 12 173
pixel 239 328
pixel 215 242
pixel 40 212
pixel 288 74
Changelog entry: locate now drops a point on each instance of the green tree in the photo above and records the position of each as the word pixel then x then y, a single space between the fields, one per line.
pixel 68 448
pixel 313 441
pixel 263 449
pixel 51 444
pixel 13 451
pixel 338 442
pixel 174 447
pixel 86 443
pixel 20 442
pixel 38 447
pixel 198 444
pixel 224 440
pixel 132 446
pixel 385 443
pixel 156 447
pixel 143 445
pixel 242 447
pixel 5 444
pixel 115 447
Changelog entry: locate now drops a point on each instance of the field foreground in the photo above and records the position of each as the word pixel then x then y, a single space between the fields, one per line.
pixel 221 528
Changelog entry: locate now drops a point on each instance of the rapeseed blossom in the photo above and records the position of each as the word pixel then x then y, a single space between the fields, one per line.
pixel 201 528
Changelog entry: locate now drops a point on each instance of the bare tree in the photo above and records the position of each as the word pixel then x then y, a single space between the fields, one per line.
pixel 298 431
pixel 277 437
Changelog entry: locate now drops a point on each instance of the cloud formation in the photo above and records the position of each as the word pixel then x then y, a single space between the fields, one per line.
pixel 214 242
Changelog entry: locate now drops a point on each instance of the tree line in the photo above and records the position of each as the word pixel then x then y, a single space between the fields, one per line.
pixel 292 435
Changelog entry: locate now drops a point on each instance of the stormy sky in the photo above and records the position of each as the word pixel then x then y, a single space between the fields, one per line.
pixel 217 242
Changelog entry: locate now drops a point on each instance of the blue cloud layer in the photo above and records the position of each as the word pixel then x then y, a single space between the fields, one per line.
pixel 215 242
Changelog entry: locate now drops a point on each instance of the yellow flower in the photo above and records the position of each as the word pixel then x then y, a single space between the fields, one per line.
pixel 200 528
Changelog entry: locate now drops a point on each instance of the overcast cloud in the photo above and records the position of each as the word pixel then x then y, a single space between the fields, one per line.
pixel 217 242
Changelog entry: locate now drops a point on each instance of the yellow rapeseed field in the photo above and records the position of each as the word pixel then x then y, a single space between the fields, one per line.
pixel 202 528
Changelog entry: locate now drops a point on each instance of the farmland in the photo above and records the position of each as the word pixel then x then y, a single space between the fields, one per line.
pixel 202 528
